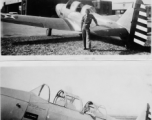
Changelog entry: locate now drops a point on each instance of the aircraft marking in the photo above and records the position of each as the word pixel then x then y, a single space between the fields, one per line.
pixel 142 21
pixel 36 107
pixel 139 42
pixel 142 28
pixel 143 14
pixel 143 6
pixel 141 35
pixel 31 116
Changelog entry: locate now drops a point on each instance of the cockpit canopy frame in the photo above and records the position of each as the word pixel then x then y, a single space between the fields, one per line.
pixel 68 100
pixel 98 110
pixel 40 90
pixel 71 101
pixel 77 6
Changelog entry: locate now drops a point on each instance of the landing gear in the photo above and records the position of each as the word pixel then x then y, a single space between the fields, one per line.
pixel 49 31
pixel 126 42
pixel 80 36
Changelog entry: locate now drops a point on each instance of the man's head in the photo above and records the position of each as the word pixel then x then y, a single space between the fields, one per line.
pixel 87 11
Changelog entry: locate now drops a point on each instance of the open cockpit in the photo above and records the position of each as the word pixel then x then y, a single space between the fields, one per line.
pixel 70 101
pixel 77 6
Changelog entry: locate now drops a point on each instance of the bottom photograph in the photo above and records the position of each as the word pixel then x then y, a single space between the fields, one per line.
pixel 95 92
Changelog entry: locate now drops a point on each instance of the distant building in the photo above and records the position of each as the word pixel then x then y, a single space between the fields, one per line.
pixel 103 7
pixel 11 6
pixel 32 7
pixel 40 7
pixel 121 7
pixel 108 7
pixel 46 8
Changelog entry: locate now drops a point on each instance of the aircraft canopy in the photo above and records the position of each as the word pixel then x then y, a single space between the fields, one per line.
pixel 68 100
pixel 98 110
pixel 42 91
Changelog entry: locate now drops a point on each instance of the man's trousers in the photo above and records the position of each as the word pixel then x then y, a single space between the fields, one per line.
pixel 86 36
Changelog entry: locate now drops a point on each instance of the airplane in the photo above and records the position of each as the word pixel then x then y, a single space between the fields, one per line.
pixel 131 27
pixel 36 105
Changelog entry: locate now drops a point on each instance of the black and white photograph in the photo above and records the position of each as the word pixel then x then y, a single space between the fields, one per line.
pixel 68 91
pixel 75 60
pixel 75 27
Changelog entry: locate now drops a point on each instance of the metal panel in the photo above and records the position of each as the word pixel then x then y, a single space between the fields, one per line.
pixel 12 108
pixel 21 95
pixel 37 109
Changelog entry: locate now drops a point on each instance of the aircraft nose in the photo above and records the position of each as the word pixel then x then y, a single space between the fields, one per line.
pixel 58 9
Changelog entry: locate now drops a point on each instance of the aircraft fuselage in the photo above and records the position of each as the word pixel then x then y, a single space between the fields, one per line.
pixel 21 105
pixel 107 27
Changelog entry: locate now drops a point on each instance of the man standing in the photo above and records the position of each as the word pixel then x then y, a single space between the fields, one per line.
pixel 85 26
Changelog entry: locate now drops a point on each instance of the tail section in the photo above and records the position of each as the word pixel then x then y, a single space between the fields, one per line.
pixel 135 20
pixel 148 113
pixel 126 18
pixel 145 115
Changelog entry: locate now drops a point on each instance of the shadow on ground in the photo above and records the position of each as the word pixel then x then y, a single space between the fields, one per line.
pixel 135 48
pixel 60 39
pixel 53 40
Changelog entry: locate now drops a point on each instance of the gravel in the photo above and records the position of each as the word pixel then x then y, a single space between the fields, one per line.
pixel 67 45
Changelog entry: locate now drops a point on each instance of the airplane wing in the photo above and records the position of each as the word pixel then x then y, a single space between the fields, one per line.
pixel 54 23
pixel 108 26
pixel 104 30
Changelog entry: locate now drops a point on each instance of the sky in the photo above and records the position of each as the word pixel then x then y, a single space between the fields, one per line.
pixel 124 88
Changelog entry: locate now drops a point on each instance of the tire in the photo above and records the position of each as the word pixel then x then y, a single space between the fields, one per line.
pixel 49 31
pixel 126 42
pixel 80 36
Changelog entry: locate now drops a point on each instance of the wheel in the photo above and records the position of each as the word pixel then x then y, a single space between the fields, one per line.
pixel 126 41
pixel 49 31
pixel 80 36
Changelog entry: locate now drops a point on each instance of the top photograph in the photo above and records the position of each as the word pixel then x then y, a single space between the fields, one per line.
pixel 75 27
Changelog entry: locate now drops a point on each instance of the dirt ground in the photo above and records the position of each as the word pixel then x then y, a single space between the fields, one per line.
pixel 29 40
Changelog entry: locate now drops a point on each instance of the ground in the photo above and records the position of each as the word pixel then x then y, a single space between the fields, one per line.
pixel 29 40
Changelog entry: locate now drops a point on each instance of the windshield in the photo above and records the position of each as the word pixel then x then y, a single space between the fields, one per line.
pixel 74 103
pixel 42 91
pixel 78 104
pixel 69 4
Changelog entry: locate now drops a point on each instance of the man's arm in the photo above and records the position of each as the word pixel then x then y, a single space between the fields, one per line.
pixel 95 20
pixel 82 22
